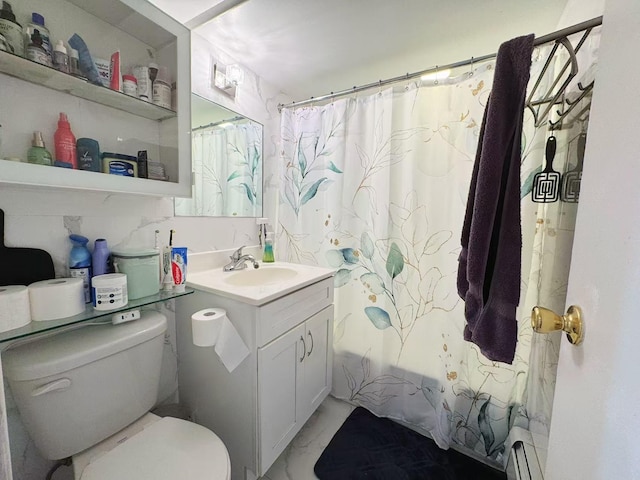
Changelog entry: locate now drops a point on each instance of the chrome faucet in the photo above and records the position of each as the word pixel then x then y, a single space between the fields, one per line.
pixel 238 261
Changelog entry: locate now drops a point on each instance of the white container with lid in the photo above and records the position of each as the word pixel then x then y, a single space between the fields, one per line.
pixel 130 85
pixel 109 291
pixel 142 267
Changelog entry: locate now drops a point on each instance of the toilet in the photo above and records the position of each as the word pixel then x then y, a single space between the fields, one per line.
pixel 87 393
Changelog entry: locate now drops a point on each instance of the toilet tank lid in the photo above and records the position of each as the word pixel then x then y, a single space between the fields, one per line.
pixel 65 351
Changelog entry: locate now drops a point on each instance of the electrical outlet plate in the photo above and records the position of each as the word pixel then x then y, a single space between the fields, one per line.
pixel 123 317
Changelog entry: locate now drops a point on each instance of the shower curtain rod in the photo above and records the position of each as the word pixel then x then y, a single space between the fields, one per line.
pixel 551 37
pixel 215 124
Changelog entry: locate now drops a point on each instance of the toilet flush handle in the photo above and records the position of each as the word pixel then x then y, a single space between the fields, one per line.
pixel 56 385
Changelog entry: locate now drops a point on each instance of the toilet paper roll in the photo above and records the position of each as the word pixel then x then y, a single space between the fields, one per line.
pixel 57 298
pixel 212 328
pixel 14 307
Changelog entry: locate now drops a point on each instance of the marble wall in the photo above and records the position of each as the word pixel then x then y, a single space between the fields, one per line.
pixel 43 218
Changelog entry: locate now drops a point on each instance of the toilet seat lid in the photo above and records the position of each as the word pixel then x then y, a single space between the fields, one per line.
pixel 169 449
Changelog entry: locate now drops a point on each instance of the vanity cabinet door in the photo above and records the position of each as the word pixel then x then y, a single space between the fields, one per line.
pixel 318 362
pixel 280 376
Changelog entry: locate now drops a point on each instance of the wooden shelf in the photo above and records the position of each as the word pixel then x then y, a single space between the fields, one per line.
pixel 33 72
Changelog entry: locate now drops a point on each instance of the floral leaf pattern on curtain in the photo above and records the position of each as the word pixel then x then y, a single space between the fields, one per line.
pixel 227 171
pixel 391 173
pixel 311 166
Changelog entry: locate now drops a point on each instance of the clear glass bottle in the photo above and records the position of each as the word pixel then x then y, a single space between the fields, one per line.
pixel 36 51
pixel 11 30
pixel 60 57
pixel 37 25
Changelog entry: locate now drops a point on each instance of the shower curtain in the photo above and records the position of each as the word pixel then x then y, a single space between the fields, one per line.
pixel 375 187
pixel 227 171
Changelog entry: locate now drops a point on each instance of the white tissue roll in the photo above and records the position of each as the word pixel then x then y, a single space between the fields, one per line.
pixel 56 298
pixel 14 307
pixel 206 325
pixel 212 328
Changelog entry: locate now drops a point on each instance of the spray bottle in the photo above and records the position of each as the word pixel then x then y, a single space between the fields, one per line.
pixel 80 263
pixel 65 144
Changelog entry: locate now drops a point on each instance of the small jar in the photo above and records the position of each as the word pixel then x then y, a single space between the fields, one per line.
pixel 130 85
pixel 162 88
pixel 144 83
pixel 74 63
pixel 60 57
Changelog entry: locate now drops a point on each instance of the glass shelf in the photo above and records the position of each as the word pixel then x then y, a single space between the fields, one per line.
pixel 34 327
pixel 33 72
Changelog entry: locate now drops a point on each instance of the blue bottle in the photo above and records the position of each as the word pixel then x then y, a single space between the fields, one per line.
pixel 80 263
pixel 100 258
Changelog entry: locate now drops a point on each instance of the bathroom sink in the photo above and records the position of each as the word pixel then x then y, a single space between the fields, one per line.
pixel 252 286
pixel 252 277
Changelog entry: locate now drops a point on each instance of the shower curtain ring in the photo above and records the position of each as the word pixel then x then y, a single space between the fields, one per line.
pixel 471 68
pixel 435 82
pixel 379 88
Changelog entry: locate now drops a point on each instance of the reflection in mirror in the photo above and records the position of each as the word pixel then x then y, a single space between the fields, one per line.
pixel 226 161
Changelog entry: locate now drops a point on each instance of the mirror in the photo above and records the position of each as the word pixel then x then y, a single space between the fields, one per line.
pixel 226 161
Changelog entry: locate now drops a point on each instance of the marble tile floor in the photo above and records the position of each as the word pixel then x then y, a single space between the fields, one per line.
pixel 297 461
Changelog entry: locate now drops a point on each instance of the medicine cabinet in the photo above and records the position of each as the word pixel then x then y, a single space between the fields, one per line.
pixel 33 95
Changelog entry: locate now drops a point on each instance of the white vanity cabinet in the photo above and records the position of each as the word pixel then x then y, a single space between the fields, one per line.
pixel 259 407
pixel 294 376
pixel 33 95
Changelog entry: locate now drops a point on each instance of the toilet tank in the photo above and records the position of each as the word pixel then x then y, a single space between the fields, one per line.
pixel 76 388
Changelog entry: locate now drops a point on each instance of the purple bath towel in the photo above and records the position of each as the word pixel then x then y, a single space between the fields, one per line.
pixel 489 263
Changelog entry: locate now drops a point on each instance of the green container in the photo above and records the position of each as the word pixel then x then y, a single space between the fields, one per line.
pixel 142 267
pixel 38 154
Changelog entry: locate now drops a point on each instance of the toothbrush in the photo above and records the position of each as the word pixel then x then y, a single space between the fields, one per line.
pixel 167 280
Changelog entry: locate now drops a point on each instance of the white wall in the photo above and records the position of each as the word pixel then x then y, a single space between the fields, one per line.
pixel 43 218
pixel 596 418
pixel 577 11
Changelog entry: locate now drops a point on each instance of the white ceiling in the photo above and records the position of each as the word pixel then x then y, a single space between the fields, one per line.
pixel 184 10
pixel 311 47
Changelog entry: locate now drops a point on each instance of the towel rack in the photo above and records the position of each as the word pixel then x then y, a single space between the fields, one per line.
pixel 541 103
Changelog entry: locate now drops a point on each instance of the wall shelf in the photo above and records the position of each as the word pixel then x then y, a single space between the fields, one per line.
pixel 33 72
pixel 32 95
pixel 34 328
pixel 22 173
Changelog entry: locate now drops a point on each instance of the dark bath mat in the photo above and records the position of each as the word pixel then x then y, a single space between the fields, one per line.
pixel 372 448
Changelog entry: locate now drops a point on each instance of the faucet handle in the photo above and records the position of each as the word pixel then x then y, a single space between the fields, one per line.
pixel 237 254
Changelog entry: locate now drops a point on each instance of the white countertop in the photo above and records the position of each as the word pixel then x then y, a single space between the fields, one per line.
pixel 205 274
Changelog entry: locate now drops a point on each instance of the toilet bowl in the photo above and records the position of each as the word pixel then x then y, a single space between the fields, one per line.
pixel 156 448
pixel 86 394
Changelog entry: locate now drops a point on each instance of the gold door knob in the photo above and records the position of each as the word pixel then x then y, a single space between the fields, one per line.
pixel 544 320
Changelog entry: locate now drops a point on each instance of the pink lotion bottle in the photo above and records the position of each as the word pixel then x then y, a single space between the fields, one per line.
pixel 65 144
